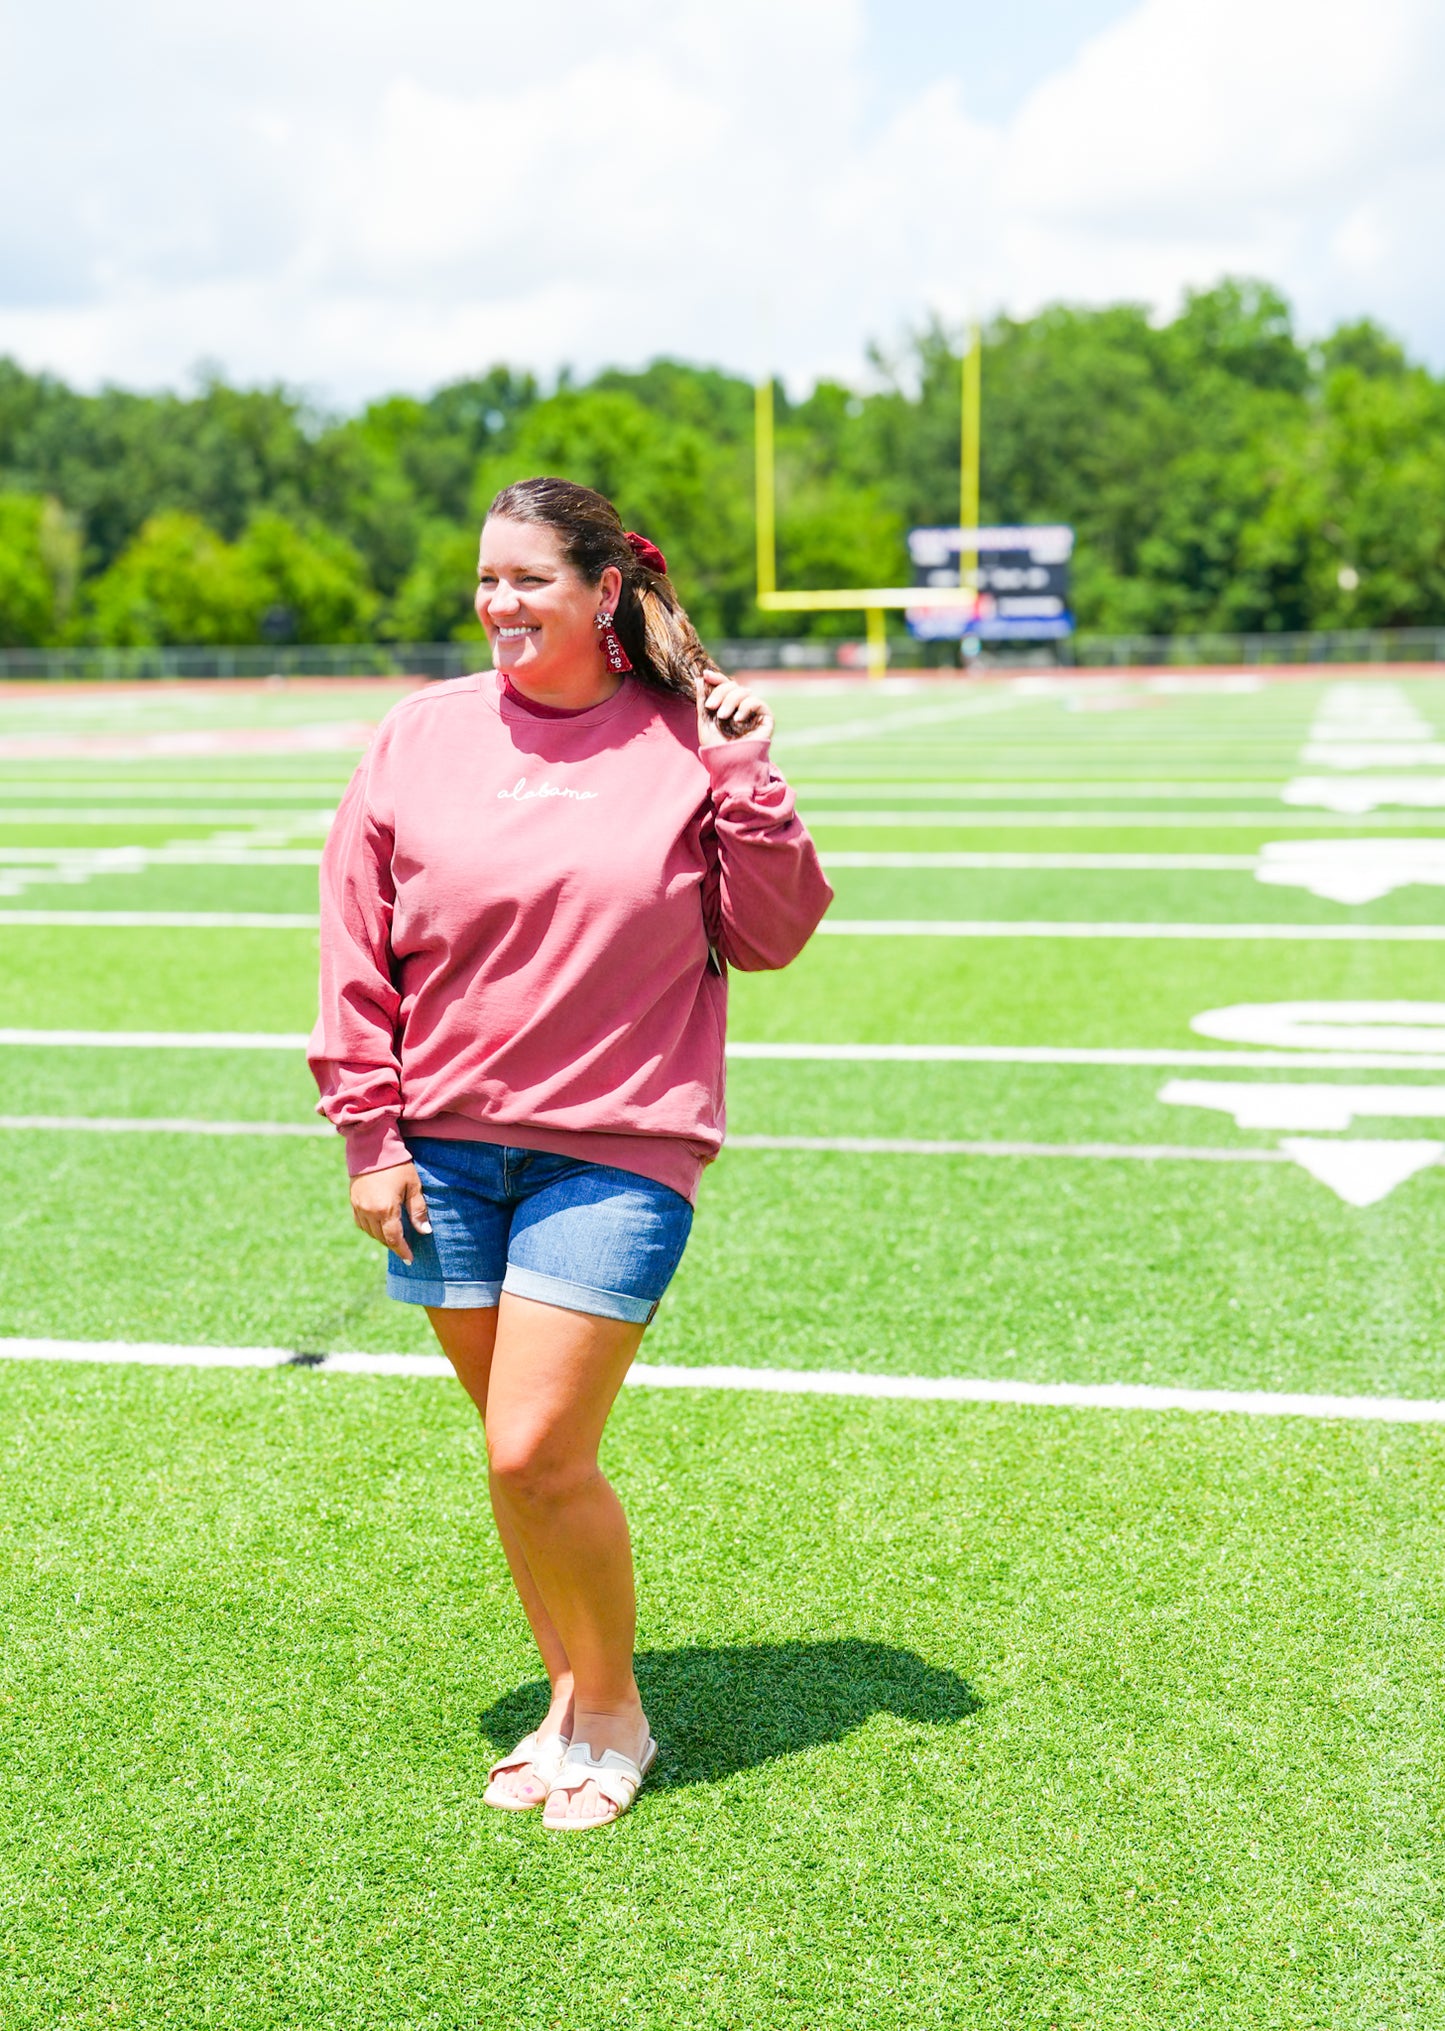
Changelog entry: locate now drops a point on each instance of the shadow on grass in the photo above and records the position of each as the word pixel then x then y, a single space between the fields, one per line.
pixel 716 1709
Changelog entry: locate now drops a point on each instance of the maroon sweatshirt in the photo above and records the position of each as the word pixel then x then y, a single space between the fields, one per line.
pixel 525 922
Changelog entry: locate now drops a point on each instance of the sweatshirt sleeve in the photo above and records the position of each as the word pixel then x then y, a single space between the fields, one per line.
pixel 353 1050
pixel 766 892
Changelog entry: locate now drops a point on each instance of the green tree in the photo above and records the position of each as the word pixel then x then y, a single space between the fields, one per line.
pixel 178 581
pixel 318 578
pixel 1219 473
pixel 39 565
pixel 435 601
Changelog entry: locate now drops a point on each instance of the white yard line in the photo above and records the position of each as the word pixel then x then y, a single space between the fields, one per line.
pixel 98 860
pixel 866 1054
pixel 1083 1054
pixel 1140 1152
pixel 160 1040
pixel 897 722
pixel 883 927
pixel 296 790
pixel 1109 821
pixel 163 920
pixel 845 927
pixel 1108 1396
pixel 848 1145
pixel 301 818
pixel 942 927
pixel 1151 863
pixel 1019 787
pixel 141 1124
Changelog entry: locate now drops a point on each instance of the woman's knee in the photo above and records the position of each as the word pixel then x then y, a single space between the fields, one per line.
pixel 533 1470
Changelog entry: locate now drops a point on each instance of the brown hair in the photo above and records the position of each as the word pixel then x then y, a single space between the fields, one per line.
pixel 660 640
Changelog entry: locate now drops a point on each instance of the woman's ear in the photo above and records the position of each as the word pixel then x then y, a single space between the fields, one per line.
pixel 609 589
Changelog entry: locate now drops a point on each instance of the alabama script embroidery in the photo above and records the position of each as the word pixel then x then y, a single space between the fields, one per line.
pixel 520 793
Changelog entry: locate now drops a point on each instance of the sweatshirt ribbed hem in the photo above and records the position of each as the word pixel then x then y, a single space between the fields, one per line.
pixel 666 1159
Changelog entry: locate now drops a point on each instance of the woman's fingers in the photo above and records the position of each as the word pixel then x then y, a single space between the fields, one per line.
pixel 394 1234
pixel 731 708
pixel 377 1199
pixel 416 1208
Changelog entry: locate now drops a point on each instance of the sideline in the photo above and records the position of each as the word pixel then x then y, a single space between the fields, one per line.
pixel 1113 1396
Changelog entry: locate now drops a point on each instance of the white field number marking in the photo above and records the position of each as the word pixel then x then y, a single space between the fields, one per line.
pixel 1272 1104
pixel 1359 1172
pixel 1359 794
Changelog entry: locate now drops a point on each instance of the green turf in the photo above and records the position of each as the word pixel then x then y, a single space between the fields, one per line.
pixel 1193 1275
pixel 843 990
pixel 973 1718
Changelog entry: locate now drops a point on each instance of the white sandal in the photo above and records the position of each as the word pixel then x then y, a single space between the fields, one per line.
pixel 543 1759
pixel 616 1776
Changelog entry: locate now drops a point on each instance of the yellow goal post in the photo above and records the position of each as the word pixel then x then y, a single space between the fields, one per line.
pixel 874 601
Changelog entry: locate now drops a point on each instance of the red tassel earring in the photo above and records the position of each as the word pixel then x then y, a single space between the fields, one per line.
pixel 610 643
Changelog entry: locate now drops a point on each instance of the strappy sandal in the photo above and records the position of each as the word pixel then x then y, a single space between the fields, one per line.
pixel 543 1759
pixel 616 1776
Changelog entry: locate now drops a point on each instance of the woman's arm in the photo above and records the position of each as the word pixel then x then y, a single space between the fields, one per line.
pixel 765 892
pixel 353 1049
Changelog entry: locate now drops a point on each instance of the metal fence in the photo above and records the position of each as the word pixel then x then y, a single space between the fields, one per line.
pixel 453 659
pixel 1345 645
pixel 338 659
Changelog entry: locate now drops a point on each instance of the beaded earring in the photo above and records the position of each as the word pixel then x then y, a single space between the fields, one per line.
pixel 610 643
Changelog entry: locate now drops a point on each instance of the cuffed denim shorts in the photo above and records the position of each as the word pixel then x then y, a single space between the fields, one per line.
pixel 579 1235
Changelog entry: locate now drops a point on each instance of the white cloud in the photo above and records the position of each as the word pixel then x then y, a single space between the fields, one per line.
pixel 354 199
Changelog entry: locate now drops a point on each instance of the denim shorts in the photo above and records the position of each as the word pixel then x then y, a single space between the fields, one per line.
pixel 579 1235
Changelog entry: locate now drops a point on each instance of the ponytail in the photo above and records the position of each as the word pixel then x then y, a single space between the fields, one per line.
pixel 651 621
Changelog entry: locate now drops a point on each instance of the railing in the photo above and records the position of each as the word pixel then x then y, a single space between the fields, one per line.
pixel 805 656
pixel 1344 645
pixel 294 659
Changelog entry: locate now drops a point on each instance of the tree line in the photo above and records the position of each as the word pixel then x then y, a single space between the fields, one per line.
pixel 1221 473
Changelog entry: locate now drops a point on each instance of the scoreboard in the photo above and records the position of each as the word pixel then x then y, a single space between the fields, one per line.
pixel 1021 583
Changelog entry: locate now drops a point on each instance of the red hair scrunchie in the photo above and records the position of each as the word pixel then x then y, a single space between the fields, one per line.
pixel 645 552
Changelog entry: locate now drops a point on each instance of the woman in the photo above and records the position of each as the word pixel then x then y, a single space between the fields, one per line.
pixel 530 895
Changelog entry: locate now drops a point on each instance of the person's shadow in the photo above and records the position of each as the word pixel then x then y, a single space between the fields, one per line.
pixel 719 1709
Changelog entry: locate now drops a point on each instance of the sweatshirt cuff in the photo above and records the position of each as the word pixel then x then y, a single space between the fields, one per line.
pixel 374 1146
pixel 741 768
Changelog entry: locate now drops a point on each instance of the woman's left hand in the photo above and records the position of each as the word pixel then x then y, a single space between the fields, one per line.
pixel 725 711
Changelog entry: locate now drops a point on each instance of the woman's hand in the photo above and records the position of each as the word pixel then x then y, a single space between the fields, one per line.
pixel 377 1198
pixel 725 711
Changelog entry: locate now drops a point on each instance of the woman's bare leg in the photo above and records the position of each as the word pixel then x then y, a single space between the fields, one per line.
pixel 467 1338
pixel 552 1380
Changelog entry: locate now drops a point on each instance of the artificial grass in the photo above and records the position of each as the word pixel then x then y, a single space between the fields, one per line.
pixel 991 895
pixel 1193 1275
pixel 930 1099
pixel 1104 895
pixel 220 888
pixel 845 990
pixel 969 1718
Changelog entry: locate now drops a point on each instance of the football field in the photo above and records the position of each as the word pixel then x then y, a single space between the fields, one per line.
pixel 1035 1468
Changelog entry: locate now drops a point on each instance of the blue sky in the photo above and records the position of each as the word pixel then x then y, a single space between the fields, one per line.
pixel 998 52
pixel 359 195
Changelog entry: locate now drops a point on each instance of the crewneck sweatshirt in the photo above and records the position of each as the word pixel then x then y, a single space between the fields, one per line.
pixel 526 921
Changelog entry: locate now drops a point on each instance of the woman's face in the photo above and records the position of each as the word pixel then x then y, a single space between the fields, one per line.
pixel 539 616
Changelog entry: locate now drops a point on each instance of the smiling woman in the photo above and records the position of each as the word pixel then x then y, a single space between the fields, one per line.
pixel 555 561
pixel 530 896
